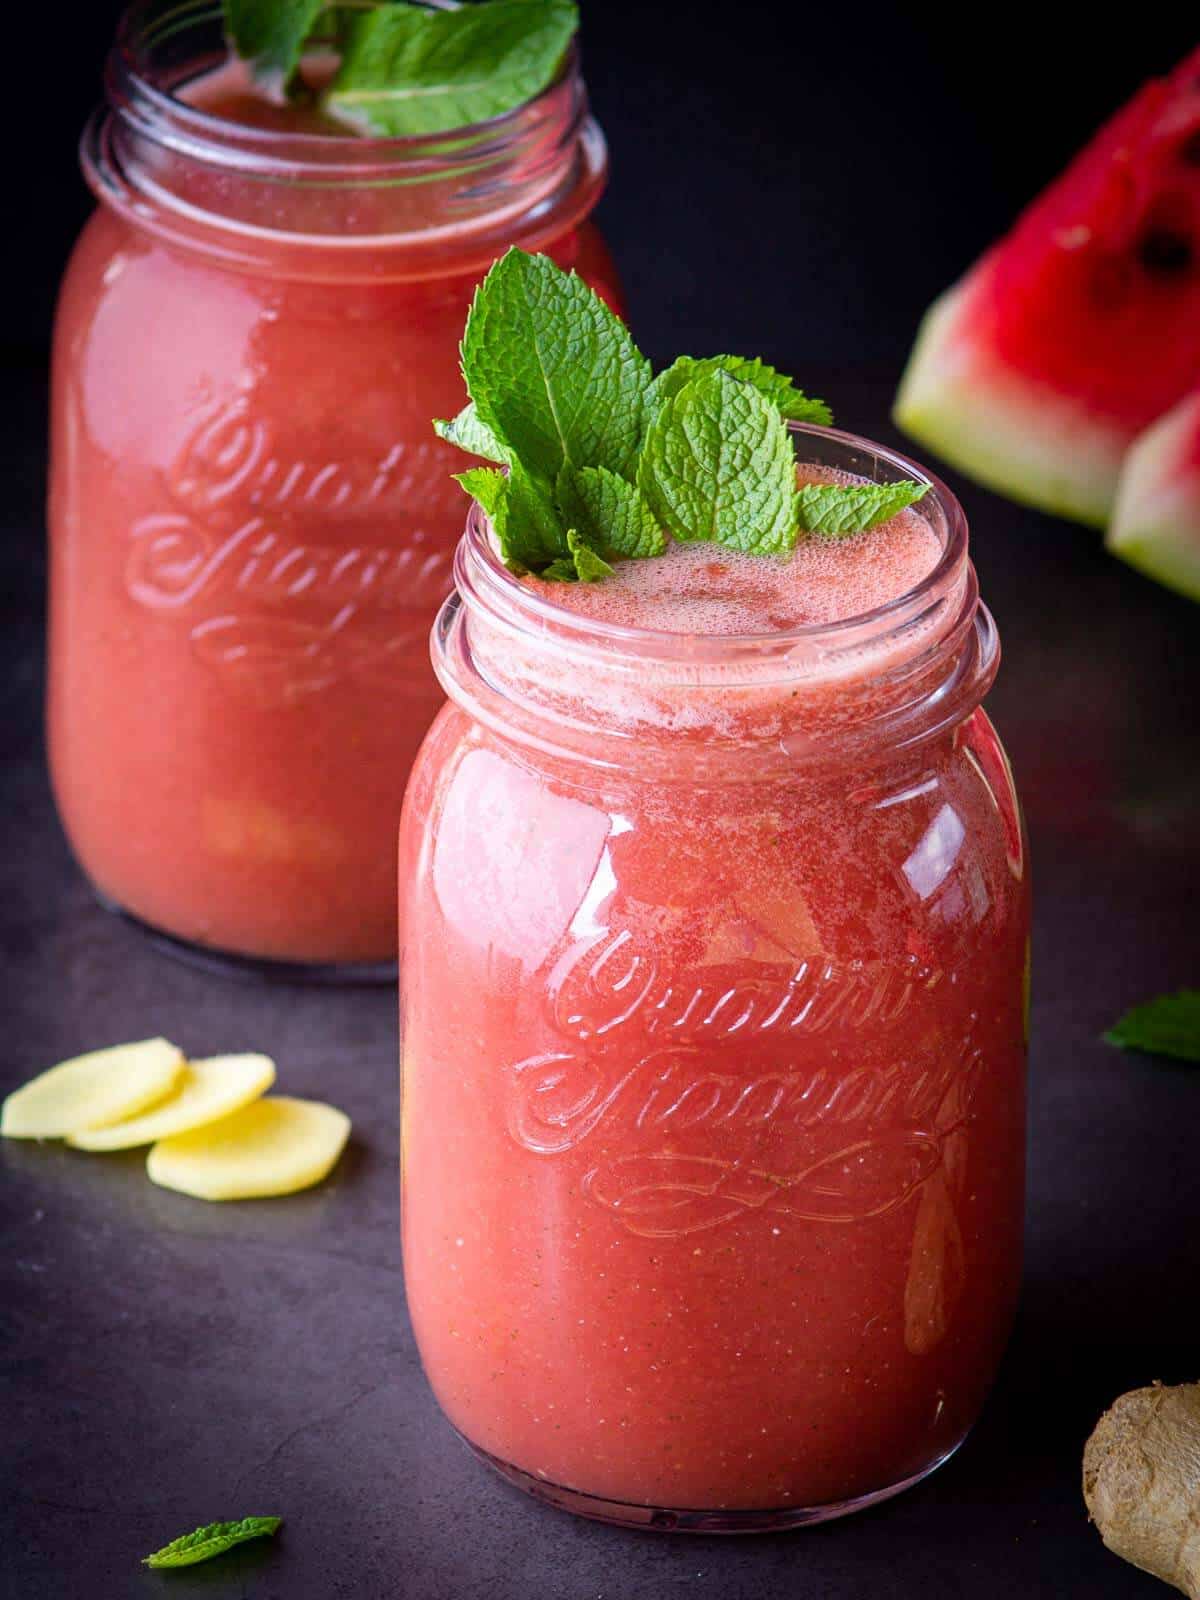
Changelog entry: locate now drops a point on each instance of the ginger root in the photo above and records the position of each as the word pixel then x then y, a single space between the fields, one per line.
pixel 1141 1482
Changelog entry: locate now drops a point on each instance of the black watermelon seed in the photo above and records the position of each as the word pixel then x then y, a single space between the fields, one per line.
pixel 1165 252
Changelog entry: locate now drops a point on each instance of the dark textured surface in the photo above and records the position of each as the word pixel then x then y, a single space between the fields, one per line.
pixel 164 1362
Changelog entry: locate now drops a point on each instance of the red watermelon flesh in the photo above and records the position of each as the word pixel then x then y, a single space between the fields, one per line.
pixel 1082 325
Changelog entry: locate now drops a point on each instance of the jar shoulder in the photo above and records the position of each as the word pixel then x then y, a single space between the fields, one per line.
pixel 921 867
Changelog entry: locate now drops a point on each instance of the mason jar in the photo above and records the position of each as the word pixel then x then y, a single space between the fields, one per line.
pixel 713 1018
pixel 251 520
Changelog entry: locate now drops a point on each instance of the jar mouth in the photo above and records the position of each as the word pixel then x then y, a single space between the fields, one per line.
pixel 483 577
pixel 323 206
pixel 135 77
pixel 885 679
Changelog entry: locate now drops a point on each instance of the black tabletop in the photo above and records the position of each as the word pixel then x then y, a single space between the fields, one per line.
pixel 165 1362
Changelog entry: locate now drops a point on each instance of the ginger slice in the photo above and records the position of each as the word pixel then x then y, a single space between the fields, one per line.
pixel 275 1146
pixel 1141 1482
pixel 207 1091
pixel 92 1091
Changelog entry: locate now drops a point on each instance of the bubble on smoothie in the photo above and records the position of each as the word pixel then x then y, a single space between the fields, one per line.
pixel 708 590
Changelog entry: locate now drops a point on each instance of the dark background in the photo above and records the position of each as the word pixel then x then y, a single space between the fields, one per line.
pixel 804 176
pixel 797 183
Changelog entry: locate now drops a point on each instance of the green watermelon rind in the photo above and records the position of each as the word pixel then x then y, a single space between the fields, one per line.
pixel 999 427
pixel 1155 523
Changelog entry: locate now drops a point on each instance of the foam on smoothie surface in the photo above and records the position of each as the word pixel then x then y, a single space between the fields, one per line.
pixel 708 590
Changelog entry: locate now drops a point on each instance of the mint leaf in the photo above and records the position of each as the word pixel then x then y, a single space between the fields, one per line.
pixel 407 70
pixel 270 35
pixel 553 373
pixel 470 434
pixel 589 566
pixel 522 512
pixel 718 465
pixel 1166 1026
pixel 837 510
pixel 211 1541
pixel 561 571
pixel 611 512
pixel 488 485
pixel 778 388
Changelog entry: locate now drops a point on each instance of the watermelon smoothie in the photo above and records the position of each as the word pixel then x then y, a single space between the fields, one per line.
pixel 251 521
pixel 715 905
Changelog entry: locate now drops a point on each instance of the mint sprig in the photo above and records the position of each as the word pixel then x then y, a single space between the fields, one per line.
pixel 212 1540
pixel 552 371
pixel 837 510
pixel 611 513
pixel 1166 1026
pixel 470 434
pixel 408 70
pixel 270 35
pixel 598 461
pixel 718 465
pixel 783 394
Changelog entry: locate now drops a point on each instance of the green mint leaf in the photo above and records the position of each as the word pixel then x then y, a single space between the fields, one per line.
pixel 407 70
pixel 779 389
pixel 270 35
pixel 522 512
pixel 561 571
pixel 553 373
pixel 1166 1026
pixel 589 567
pixel 488 485
pixel 837 510
pixel 211 1541
pixel 718 465
pixel 611 512
pixel 470 434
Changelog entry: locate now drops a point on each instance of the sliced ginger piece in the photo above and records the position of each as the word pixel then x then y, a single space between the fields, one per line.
pixel 92 1091
pixel 275 1146
pixel 206 1092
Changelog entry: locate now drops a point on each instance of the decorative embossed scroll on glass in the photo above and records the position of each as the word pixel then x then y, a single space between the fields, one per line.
pixel 267 599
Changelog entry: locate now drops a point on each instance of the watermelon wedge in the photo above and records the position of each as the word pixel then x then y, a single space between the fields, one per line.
pixel 1156 519
pixel 1038 369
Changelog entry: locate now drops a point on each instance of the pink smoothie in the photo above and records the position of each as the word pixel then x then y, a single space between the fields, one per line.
pixel 706 590
pixel 252 522
pixel 713 1079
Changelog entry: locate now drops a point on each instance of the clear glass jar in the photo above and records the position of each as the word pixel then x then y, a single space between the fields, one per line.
pixel 251 521
pixel 715 953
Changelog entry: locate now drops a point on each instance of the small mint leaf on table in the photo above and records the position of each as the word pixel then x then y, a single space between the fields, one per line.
pixel 407 70
pixel 1166 1026
pixel 610 512
pixel 779 389
pixel 470 434
pixel 212 1540
pixel 836 511
pixel 553 372
pixel 270 35
pixel 718 465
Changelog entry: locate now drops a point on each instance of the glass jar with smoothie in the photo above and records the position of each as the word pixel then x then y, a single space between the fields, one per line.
pixel 716 907
pixel 251 522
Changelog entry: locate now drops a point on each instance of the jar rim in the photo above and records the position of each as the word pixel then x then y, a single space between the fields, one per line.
pixel 482 576
pixel 890 678
pixel 219 140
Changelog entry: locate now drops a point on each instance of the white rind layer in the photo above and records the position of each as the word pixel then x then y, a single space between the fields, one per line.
pixel 999 427
pixel 1156 519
